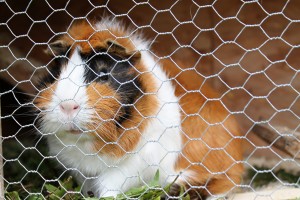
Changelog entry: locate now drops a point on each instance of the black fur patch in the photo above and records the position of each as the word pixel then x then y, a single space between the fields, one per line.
pixel 53 71
pixel 117 72
pixel 54 68
pixel 62 53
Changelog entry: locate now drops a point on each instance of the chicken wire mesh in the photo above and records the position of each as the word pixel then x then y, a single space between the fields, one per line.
pixel 246 50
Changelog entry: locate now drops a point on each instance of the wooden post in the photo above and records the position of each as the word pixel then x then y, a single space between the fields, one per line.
pixel 287 142
pixel 1 160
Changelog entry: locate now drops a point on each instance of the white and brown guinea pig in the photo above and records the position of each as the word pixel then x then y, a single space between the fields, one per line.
pixel 112 116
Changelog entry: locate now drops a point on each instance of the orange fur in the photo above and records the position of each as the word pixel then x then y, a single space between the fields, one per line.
pixel 122 139
pixel 84 35
pixel 210 149
pixel 44 96
pixel 110 139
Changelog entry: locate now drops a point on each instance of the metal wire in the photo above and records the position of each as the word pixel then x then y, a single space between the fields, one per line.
pixel 235 39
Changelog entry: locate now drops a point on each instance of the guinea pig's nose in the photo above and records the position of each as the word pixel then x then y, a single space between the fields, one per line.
pixel 69 107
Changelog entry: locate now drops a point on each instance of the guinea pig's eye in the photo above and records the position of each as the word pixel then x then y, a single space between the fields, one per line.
pixel 103 75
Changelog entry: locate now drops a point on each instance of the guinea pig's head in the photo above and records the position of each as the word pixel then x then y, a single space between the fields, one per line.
pixel 98 88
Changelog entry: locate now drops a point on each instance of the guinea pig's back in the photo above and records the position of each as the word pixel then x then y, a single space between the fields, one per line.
pixel 210 134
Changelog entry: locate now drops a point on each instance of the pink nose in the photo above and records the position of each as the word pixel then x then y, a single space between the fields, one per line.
pixel 69 107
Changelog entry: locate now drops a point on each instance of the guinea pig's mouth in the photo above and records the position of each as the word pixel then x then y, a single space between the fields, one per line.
pixel 73 129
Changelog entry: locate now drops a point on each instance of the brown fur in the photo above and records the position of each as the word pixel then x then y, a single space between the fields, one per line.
pixel 110 139
pixel 212 127
pixel 113 140
pixel 210 150
pixel 44 96
pixel 84 35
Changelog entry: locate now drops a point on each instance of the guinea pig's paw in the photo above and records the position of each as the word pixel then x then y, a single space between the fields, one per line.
pixel 173 192
pixel 176 189
pixel 195 195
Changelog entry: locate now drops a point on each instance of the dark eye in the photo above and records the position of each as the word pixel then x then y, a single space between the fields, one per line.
pixel 103 75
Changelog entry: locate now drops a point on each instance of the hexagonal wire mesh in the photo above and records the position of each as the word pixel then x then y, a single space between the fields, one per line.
pixel 155 87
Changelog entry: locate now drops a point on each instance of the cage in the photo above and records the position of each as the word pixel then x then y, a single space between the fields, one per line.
pixel 246 50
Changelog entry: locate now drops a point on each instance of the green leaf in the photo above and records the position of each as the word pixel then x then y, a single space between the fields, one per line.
pixel 12 196
pixel 54 192
pixel 51 188
pixel 186 197
pixel 152 194
pixel 77 189
pixel 157 198
pixel 35 197
pixel 110 198
pixel 67 184
pixel 138 190
pixel 155 181
pixel 73 196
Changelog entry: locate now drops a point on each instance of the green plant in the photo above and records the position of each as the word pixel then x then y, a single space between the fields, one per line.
pixel 68 190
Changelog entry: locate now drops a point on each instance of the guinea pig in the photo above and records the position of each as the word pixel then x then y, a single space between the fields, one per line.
pixel 114 114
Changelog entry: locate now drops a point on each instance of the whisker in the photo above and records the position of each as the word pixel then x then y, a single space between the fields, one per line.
pixel 25 105
pixel 43 98
pixel 32 95
pixel 28 94
pixel 23 115
pixel 30 131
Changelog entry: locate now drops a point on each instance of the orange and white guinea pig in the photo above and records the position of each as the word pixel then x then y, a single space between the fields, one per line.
pixel 112 115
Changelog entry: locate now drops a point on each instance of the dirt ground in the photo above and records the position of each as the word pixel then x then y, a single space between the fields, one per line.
pixel 249 51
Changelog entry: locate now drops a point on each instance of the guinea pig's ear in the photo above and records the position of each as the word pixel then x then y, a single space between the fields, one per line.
pixel 115 48
pixel 58 48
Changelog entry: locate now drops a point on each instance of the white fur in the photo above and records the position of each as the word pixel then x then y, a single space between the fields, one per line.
pixel 158 149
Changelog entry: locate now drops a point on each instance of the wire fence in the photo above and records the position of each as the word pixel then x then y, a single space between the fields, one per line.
pixel 184 99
